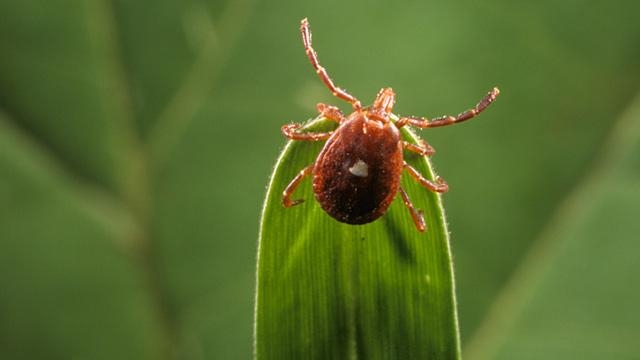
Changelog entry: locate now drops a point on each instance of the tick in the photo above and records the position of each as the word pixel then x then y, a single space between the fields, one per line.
pixel 357 174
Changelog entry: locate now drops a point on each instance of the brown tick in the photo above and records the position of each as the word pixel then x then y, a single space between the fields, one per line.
pixel 357 174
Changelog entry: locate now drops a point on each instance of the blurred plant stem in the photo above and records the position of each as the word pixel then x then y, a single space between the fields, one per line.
pixel 138 159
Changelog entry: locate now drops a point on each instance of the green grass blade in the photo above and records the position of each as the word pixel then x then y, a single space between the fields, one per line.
pixel 328 290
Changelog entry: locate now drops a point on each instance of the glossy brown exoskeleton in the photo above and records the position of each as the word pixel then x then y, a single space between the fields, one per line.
pixel 357 174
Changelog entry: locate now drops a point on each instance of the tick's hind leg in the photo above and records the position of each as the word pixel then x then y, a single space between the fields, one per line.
pixel 322 72
pixel 291 131
pixel 291 188
pixel 422 148
pixel 416 215
pixel 448 119
pixel 439 186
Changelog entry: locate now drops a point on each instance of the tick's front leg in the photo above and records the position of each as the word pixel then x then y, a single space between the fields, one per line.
pixel 448 119
pixel 290 131
pixel 439 186
pixel 289 190
pixel 322 72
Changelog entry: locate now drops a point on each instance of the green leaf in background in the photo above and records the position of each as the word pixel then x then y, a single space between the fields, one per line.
pixel 64 275
pixel 94 98
pixel 576 294
pixel 328 290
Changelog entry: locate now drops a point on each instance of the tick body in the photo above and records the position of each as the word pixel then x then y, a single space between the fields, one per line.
pixel 357 174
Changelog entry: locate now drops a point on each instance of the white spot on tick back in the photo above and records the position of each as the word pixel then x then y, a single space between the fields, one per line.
pixel 360 168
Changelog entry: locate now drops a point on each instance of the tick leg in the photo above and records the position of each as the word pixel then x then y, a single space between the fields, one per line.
pixel 290 131
pixel 422 148
pixel 330 112
pixel 418 219
pixel 324 76
pixel 448 119
pixel 439 186
pixel 288 191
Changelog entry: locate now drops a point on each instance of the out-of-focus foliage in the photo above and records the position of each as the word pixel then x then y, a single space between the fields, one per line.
pixel 573 296
pixel 136 139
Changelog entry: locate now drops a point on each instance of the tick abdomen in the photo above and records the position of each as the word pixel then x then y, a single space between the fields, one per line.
pixel 357 174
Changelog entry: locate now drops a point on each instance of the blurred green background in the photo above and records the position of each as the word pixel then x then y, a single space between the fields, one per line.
pixel 137 138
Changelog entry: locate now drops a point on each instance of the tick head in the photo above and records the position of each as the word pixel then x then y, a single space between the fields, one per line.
pixel 382 105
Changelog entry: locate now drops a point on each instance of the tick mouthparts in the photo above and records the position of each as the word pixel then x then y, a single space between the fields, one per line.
pixel 384 101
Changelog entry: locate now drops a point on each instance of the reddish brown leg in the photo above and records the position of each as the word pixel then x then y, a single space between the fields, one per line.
pixel 324 76
pixel 418 219
pixel 290 131
pixel 448 119
pixel 439 186
pixel 288 191
pixel 330 112
pixel 422 149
